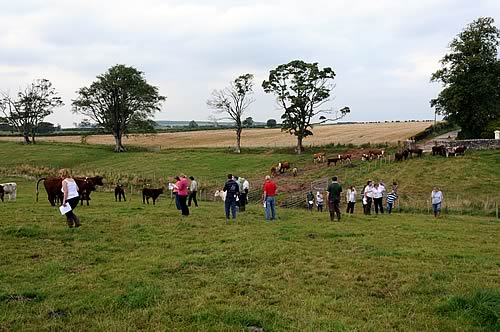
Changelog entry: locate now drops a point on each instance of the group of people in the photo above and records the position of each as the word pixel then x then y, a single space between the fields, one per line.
pixel 184 193
pixel 375 192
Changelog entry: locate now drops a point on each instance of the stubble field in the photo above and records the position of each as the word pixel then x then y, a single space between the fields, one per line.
pixel 327 134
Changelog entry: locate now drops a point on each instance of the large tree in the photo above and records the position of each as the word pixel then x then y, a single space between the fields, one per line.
pixel 32 105
pixel 118 101
pixel 301 89
pixel 234 100
pixel 470 75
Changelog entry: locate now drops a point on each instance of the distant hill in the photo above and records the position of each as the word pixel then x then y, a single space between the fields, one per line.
pixel 171 123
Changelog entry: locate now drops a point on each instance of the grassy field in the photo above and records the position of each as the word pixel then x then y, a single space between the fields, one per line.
pixel 135 267
pixel 344 134
pixel 469 183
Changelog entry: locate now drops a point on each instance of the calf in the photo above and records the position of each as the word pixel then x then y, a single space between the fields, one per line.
pixel 416 151
pixel 282 167
pixel 294 171
pixel 405 153
pixel 273 171
pixel 10 189
pixel 439 150
pixel 221 194
pixel 119 193
pixel 398 156
pixel 86 185
pixel 53 187
pixel 333 160
pixel 151 193
pixel 460 150
pixel 2 193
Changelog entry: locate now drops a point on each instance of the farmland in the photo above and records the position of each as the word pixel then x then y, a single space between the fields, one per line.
pixel 142 267
pixel 326 134
pixel 135 267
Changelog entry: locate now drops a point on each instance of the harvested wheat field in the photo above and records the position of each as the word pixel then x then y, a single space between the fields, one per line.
pixel 325 134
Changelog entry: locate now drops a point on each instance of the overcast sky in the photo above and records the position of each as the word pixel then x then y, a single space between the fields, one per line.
pixel 383 52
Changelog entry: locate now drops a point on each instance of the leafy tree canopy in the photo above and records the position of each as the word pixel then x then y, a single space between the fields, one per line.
pixel 470 75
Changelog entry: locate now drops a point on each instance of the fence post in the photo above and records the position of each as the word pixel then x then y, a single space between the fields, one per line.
pixel 496 208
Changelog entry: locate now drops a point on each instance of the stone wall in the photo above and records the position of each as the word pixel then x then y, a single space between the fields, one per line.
pixel 476 144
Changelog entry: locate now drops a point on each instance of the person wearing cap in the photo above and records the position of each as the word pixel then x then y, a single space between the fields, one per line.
pixel 270 189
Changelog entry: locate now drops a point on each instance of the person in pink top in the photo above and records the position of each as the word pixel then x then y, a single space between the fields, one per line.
pixel 182 194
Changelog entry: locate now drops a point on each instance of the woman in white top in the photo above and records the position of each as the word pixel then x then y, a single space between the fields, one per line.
pixel 378 196
pixel 351 199
pixel 71 196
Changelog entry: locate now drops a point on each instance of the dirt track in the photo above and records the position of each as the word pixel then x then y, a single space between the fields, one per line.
pixel 327 134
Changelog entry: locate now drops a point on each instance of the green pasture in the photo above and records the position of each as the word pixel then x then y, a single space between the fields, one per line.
pixel 470 183
pixel 142 267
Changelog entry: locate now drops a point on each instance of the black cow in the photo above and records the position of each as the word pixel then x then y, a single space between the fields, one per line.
pixel 2 193
pixel 119 192
pixel 332 160
pixel 151 193
pixel 398 156
pixel 86 185
pixel 439 150
pixel 405 153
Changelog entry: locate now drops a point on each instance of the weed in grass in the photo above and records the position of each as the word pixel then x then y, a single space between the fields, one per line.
pixel 481 308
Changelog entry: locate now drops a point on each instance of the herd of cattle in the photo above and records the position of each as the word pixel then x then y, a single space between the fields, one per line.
pixel 86 185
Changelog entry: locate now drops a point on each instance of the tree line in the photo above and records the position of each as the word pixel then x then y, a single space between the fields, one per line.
pixel 121 100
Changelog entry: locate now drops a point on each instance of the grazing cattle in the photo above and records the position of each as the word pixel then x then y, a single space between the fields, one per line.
pixel 221 194
pixel 405 153
pixel 53 186
pixel 86 185
pixel 282 167
pixel 345 157
pixel 319 157
pixel 294 171
pixel 148 193
pixel 398 156
pixel 366 157
pixel 333 161
pixel 416 151
pixel 274 172
pixel 2 193
pixel 10 189
pixel 439 150
pixel 460 150
pixel 119 193
pixel 376 153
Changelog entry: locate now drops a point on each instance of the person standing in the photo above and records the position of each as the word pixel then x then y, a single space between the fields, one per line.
pixel 182 194
pixel 334 191
pixel 391 200
pixel 437 199
pixel 310 201
pixel 175 192
pixel 368 195
pixel 70 196
pixel 193 189
pixel 319 201
pixel 243 193
pixel 246 188
pixel 351 199
pixel 270 189
pixel 378 196
pixel 232 190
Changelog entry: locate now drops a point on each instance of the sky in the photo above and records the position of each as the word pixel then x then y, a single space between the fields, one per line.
pixel 383 52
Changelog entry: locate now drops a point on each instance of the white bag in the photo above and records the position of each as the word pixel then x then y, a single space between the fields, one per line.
pixel 65 209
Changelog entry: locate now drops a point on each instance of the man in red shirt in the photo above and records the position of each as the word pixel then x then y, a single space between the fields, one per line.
pixel 269 193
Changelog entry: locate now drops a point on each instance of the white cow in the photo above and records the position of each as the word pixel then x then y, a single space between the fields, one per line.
pixel 10 189
pixel 221 194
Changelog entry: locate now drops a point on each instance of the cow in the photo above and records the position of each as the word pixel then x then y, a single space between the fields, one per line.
pixel 294 171
pixel 398 156
pixel 366 157
pixel 53 186
pixel 86 185
pixel 319 157
pixel 376 153
pixel 460 150
pixel 10 189
pixel 405 153
pixel 119 193
pixel 274 172
pixel 416 151
pixel 345 157
pixel 221 194
pixel 148 193
pixel 2 193
pixel 283 166
pixel 333 160
pixel 439 150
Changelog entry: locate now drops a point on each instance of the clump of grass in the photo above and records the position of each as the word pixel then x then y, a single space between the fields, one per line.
pixel 139 296
pixel 481 308
pixel 24 231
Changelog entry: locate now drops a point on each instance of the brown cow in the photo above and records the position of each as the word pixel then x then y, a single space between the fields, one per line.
pixel 405 153
pixel 333 160
pixel 345 157
pixel 439 150
pixel 376 153
pixel 86 185
pixel 151 193
pixel 273 171
pixel 319 157
pixel 460 150
pixel 283 166
pixel 416 151
pixel 398 156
